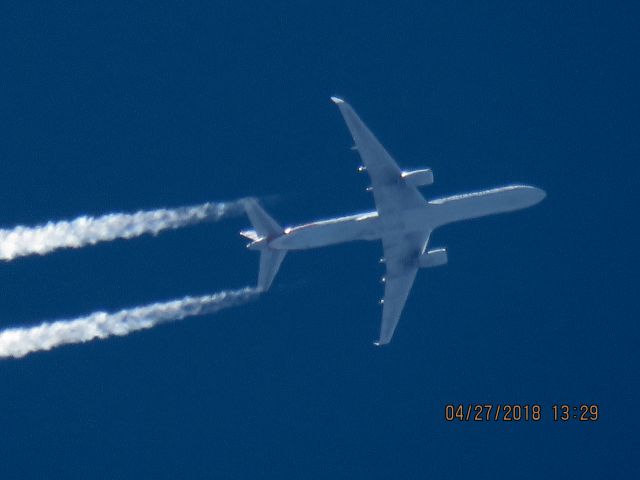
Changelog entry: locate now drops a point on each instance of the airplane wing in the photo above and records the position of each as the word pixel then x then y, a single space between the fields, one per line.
pixel 401 252
pixel 390 191
pixel 392 196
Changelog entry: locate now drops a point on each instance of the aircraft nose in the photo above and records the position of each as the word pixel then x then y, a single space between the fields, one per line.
pixel 539 194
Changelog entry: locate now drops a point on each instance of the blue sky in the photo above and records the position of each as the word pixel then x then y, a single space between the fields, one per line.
pixel 132 105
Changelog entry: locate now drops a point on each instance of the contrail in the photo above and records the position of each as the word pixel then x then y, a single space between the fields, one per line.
pixel 86 230
pixel 18 342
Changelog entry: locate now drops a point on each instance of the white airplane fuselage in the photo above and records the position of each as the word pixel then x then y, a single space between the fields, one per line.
pixel 369 226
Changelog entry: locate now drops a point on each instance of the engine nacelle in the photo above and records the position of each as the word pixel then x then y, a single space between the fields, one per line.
pixel 433 258
pixel 418 178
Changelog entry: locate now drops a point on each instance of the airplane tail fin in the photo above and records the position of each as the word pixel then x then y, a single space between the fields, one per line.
pixel 265 228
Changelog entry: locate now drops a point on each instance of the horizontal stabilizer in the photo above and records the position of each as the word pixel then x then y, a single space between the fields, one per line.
pixel 266 228
pixel 270 261
pixel 265 225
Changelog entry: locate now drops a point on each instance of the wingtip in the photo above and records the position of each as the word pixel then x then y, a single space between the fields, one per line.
pixel 337 100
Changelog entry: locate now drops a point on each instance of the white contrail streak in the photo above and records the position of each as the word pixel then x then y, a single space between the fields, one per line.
pixel 85 230
pixel 18 342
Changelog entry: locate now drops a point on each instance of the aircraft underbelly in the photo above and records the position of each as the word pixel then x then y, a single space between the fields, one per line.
pixel 479 204
pixel 356 227
pixel 329 232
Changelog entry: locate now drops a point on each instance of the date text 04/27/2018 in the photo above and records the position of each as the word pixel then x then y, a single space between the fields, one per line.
pixel 489 412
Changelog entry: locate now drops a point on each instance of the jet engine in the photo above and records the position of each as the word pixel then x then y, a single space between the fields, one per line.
pixel 433 258
pixel 418 178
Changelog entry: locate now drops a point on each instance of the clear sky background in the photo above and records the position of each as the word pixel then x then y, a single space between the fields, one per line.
pixel 118 106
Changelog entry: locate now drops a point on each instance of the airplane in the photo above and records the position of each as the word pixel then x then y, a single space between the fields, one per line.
pixel 403 221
